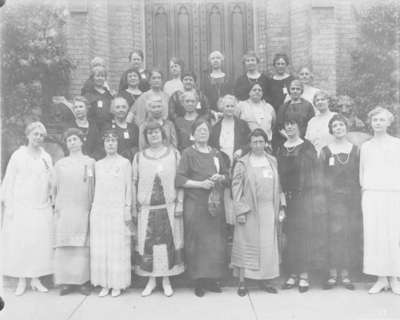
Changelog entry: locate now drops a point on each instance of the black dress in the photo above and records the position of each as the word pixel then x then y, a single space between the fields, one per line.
pixel 305 224
pixel 128 139
pixel 342 189
pixel 244 84
pixel 214 89
pixel 100 107
pixel 278 90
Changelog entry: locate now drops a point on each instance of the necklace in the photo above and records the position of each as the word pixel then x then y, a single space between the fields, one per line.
pixel 290 149
pixel 340 160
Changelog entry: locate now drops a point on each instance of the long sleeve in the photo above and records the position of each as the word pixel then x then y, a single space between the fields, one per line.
pixel 240 205
pixel 182 174
pixel 128 191
pixel 7 187
pixel 135 178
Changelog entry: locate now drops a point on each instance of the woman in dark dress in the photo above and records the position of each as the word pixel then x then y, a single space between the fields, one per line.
pixel 128 133
pixel 202 173
pixel 340 163
pixel 305 223
pixel 136 59
pixel 132 92
pixel 175 104
pixel 296 107
pixel 278 85
pixel 252 76
pixel 92 143
pixel 216 83
pixel 99 98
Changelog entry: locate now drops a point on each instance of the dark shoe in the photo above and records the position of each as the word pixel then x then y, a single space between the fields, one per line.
pixel 290 283
pixel 66 289
pixel 303 285
pixel 346 282
pixel 85 289
pixel 199 291
pixel 270 289
pixel 330 283
pixel 242 290
pixel 213 286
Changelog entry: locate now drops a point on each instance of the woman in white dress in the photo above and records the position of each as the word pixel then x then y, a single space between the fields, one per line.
pixel 176 66
pixel 256 112
pixel 317 128
pixel 27 228
pixel 379 179
pixel 111 221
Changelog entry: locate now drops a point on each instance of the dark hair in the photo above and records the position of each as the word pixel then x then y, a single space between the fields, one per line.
pixel 152 71
pixel 337 117
pixel 131 70
pixel 110 133
pixel 189 74
pixel 278 56
pixel 258 132
pixel 73 132
pixel 153 125
pixel 292 118
pixel 138 52
pixel 256 83
pixel 198 122
pixel 250 54
pixel 178 61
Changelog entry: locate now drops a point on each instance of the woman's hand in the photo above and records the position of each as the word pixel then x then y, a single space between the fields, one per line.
pixel 237 154
pixel 206 184
pixel 217 177
pixel 281 215
pixel 241 219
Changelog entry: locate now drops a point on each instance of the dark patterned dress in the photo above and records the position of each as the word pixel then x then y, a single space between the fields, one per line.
pixel 342 189
pixel 160 231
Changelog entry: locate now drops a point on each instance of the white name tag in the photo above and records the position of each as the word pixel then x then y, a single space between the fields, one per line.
pixel 90 172
pixel 331 161
pixel 284 90
pixel 267 173
pixel 99 104
pixel 126 135
pixel 198 106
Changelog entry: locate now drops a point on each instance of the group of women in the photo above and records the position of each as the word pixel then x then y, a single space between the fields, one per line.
pixel 180 171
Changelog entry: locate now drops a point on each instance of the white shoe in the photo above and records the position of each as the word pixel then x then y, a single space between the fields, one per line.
pixel 115 292
pixel 168 292
pixel 380 285
pixel 104 292
pixel 21 287
pixel 395 285
pixel 148 290
pixel 36 285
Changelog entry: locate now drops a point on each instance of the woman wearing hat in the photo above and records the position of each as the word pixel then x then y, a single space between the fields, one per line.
pixel 111 221
pixel 73 193
pixel 27 228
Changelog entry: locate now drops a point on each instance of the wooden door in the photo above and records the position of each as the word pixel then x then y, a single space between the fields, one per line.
pixel 192 29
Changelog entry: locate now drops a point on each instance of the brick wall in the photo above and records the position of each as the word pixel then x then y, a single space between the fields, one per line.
pixel 318 33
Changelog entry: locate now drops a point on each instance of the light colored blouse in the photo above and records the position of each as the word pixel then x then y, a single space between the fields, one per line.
pixel 227 138
pixel 318 131
pixel 171 86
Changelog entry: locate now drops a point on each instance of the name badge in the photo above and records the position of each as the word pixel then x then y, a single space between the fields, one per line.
pixel 331 161
pixel 126 135
pixel 267 173
pixel 99 104
pixel 198 106
pixel 285 90
pixel 90 172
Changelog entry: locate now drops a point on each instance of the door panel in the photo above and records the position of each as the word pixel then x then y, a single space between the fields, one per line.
pixel 191 30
